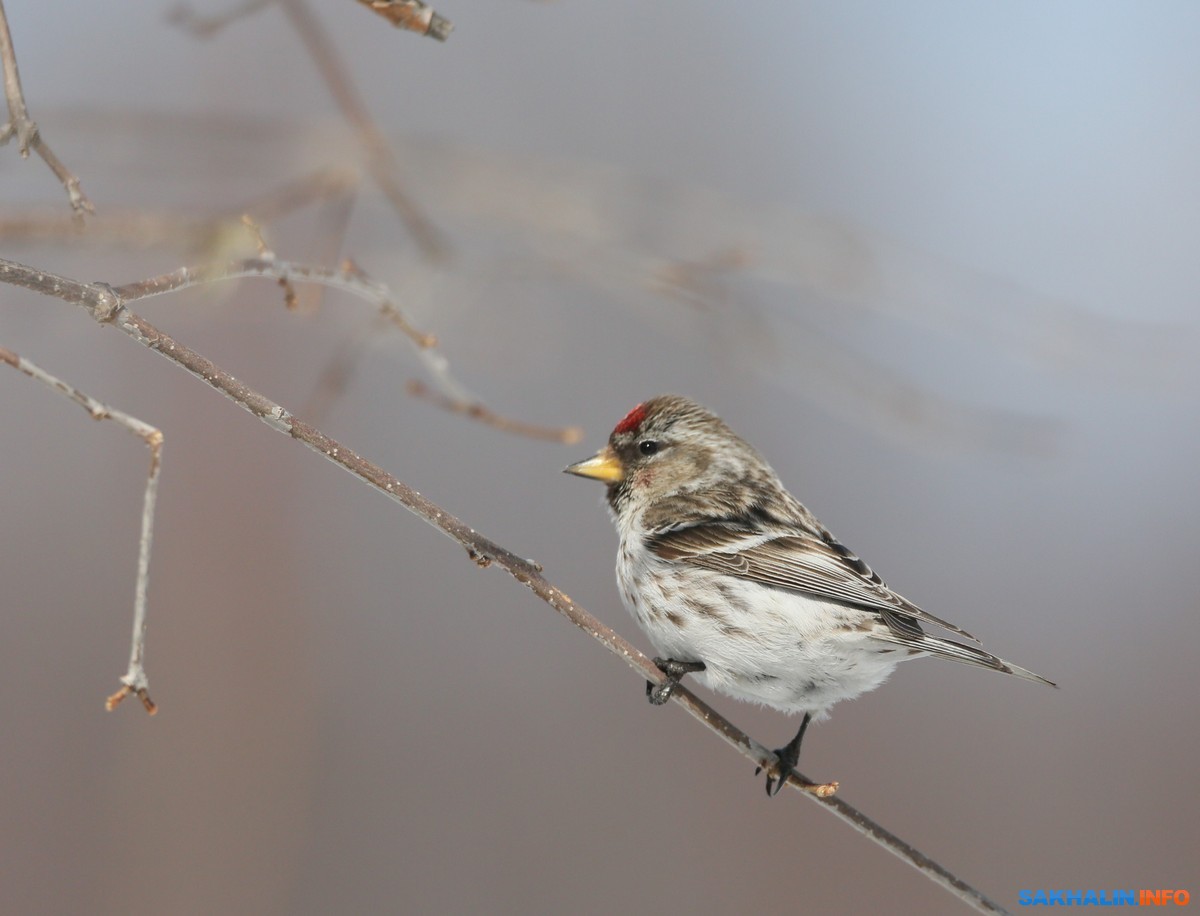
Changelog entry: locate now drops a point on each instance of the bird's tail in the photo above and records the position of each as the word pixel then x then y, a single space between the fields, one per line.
pixel 957 652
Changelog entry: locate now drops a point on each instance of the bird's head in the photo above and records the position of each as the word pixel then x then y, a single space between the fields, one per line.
pixel 669 447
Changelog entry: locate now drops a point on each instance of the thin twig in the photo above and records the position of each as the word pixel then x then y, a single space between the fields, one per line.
pixel 106 306
pixel 350 278
pixel 388 310
pixel 342 367
pixel 567 435
pixel 290 299
pixel 332 221
pixel 135 681
pixel 412 15
pixel 340 370
pixel 25 129
pixel 381 158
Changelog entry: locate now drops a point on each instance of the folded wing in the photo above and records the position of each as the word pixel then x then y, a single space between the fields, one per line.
pixel 812 561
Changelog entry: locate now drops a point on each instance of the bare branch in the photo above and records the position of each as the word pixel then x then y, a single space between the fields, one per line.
pixel 452 397
pixel 389 312
pixel 105 305
pixel 25 129
pixel 412 15
pixel 381 158
pixel 349 278
pixel 335 190
pixel 290 299
pixel 567 435
pixel 135 681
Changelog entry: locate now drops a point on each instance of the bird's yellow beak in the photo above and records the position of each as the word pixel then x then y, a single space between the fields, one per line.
pixel 604 465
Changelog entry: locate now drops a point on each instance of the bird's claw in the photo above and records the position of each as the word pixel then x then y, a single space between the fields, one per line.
pixel 783 767
pixel 778 775
pixel 658 694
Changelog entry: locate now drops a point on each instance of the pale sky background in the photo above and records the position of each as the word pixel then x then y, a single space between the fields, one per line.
pixel 963 328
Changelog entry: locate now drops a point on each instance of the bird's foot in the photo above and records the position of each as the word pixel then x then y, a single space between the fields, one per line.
pixel 779 772
pixel 783 767
pixel 658 694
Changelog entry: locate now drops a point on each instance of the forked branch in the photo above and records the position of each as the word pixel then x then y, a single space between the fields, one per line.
pixel 350 278
pixel 25 129
pixel 135 681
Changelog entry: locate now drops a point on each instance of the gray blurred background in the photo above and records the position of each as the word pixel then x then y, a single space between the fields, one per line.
pixel 937 261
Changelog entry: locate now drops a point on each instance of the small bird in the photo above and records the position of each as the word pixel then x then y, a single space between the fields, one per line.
pixel 735 581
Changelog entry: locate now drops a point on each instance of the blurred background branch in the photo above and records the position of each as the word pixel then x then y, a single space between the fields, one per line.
pixel 21 126
pixel 381 161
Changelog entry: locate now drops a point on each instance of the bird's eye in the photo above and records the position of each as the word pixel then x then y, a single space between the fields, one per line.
pixel 647 446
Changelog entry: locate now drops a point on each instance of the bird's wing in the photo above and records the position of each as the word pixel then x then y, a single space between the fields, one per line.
pixel 810 562
pixel 815 563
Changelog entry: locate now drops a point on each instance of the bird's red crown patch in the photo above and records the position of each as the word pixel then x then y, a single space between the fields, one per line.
pixel 632 420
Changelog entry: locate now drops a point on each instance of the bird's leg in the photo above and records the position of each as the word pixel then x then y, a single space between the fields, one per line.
pixel 674 670
pixel 785 765
pixel 786 759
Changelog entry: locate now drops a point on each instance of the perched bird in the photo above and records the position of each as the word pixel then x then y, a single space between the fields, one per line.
pixel 733 580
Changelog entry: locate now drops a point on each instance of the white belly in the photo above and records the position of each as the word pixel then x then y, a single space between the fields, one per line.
pixel 783 649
